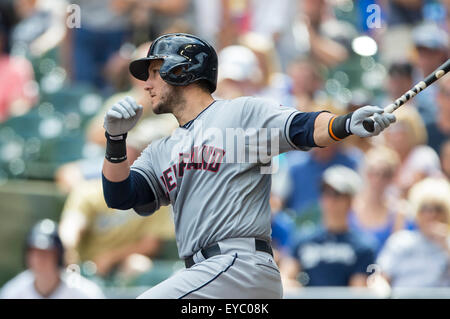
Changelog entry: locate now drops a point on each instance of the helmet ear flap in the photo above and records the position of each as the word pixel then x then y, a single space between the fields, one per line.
pixel 189 77
pixel 179 75
pixel 179 70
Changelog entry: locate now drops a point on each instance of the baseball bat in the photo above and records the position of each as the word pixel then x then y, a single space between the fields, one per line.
pixel 422 85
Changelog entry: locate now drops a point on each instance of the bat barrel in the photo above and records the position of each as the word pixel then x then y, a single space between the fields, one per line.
pixel 369 124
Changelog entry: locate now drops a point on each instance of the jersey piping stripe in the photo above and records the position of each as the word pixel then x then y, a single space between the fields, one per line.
pixel 147 178
pixel 211 280
pixel 287 125
pixel 188 124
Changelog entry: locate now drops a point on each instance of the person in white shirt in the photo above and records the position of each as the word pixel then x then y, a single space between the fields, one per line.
pixel 421 257
pixel 45 277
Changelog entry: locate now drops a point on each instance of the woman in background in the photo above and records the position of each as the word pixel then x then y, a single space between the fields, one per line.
pixel 408 138
pixel 421 257
pixel 376 210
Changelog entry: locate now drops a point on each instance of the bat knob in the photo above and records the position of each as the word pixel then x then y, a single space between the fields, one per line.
pixel 369 125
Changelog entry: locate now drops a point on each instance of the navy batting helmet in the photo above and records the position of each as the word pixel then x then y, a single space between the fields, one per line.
pixel 44 235
pixel 186 59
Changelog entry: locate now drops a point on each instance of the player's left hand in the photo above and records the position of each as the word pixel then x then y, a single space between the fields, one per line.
pixel 122 116
pixel 381 120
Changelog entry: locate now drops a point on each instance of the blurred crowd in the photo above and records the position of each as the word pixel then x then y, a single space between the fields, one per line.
pixel 341 215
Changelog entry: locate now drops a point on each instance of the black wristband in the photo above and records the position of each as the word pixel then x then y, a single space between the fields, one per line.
pixel 339 127
pixel 116 148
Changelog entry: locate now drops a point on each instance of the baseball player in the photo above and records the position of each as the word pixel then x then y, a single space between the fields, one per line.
pixel 45 276
pixel 220 199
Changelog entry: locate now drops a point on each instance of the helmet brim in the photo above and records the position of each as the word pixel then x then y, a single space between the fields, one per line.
pixel 139 68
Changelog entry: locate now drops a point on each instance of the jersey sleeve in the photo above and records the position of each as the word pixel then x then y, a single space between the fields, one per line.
pixel 144 165
pixel 265 113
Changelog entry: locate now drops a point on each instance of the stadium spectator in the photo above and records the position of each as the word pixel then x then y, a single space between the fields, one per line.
pixel 376 211
pixel 318 34
pixel 7 20
pixel 445 158
pixel 334 255
pixel 446 6
pixel 273 83
pixel 273 20
pixel 401 12
pixel 400 80
pixel 432 45
pixel 306 80
pixel 239 73
pixel 40 26
pixel 408 137
pixel 439 130
pixel 303 201
pixel 116 68
pixel 209 17
pixel 17 95
pixel 296 28
pixel 88 48
pixel 45 277
pixel 164 14
pixel 283 229
pixel 270 18
pixel 93 232
pixel 421 257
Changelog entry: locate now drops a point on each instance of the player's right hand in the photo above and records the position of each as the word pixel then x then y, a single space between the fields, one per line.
pixel 122 116
pixel 381 120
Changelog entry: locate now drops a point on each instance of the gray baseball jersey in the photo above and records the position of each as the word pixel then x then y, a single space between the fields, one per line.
pixel 211 173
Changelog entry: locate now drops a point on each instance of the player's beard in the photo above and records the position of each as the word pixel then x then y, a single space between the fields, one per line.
pixel 170 100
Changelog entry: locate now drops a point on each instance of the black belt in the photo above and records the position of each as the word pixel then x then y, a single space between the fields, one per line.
pixel 214 250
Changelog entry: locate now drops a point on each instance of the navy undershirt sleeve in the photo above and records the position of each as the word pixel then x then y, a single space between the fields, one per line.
pixel 301 131
pixel 133 191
